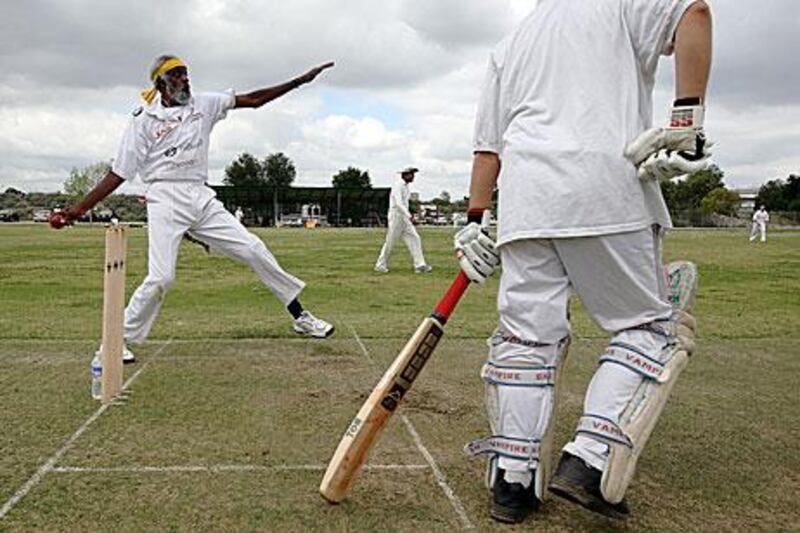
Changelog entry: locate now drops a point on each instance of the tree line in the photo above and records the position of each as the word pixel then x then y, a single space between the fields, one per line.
pixel 700 194
pixel 278 171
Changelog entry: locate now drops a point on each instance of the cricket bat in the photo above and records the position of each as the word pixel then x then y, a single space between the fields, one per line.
pixel 366 427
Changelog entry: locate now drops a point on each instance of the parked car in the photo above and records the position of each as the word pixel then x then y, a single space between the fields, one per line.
pixel 104 215
pixel 8 215
pixel 459 219
pixel 41 215
pixel 292 220
pixel 98 215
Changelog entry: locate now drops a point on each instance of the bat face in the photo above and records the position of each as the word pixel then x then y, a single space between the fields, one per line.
pixel 366 427
pixel 416 361
pixel 363 431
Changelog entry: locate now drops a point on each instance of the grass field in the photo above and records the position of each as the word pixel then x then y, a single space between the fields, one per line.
pixel 231 418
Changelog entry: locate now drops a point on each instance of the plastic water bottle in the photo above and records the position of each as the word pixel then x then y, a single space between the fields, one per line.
pixel 97 377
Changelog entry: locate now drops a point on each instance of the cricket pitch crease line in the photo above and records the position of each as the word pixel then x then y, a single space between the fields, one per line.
pixel 441 479
pixel 50 464
pixel 220 468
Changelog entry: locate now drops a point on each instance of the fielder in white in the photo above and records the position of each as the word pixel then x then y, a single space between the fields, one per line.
pixel 760 219
pixel 166 145
pixel 400 225
pixel 564 129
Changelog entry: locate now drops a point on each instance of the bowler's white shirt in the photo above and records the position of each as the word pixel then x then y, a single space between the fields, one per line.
pixel 563 95
pixel 171 143
pixel 398 199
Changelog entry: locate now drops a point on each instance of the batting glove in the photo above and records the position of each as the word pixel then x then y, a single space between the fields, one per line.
pixel 680 148
pixel 668 164
pixel 476 252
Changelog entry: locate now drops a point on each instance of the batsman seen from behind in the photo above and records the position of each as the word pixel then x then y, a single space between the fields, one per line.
pixel 565 122
pixel 166 145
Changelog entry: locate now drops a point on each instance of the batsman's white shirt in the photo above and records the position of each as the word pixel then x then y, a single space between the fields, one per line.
pixel 563 171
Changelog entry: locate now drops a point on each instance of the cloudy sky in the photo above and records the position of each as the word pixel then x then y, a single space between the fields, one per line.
pixel 403 91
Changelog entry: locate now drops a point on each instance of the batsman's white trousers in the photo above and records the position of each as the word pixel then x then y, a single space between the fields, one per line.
pixel 401 226
pixel 619 279
pixel 172 210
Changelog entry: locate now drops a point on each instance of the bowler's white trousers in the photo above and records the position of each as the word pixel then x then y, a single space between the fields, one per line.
pixel 619 279
pixel 401 226
pixel 173 208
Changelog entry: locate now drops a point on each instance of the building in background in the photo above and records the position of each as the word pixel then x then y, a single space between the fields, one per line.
pixel 747 201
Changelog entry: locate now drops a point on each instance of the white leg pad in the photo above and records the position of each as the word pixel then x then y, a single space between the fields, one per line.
pixel 628 437
pixel 521 398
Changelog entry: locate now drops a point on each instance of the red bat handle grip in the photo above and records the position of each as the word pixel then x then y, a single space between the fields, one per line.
pixel 448 303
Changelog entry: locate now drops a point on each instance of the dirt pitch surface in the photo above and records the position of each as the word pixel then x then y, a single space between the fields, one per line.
pixel 229 418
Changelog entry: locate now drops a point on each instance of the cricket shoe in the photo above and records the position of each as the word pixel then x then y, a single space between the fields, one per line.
pixel 512 502
pixel 423 269
pixel 308 324
pixel 381 269
pixel 579 483
pixel 127 355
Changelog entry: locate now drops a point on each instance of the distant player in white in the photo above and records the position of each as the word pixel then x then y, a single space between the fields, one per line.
pixel 239 214
pixel 760 219
pixel 564 130
pixel 400 225
pixel 166 145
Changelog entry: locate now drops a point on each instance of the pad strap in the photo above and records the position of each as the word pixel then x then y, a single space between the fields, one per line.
pixel 624 354
pixel 499 337
pixel 511 447
pixel 657 327
pixel 604 429
pixel 519 376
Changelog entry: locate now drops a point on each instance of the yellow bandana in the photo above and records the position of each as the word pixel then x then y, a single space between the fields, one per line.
pixel 168 65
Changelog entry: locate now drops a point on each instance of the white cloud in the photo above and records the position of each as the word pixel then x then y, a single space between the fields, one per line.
pixel 456 22
pixel 70 72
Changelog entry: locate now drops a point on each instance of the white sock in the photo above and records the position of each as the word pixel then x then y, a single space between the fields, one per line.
pixel 519 476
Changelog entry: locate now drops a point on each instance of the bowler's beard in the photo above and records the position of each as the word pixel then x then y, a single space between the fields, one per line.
pixel 179 93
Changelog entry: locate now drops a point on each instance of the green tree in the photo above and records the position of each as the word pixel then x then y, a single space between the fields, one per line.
pixel 461 205
pixel 278 170
pixel 442 201
pixel 689 193
pixel 720 201
pixel 780 195
pixel 792 193
pixel 83 180
pixel 352 178
pixel 245 171
pixel 771 195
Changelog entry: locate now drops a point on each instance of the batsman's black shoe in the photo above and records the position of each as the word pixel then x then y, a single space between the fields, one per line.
pixel 578 482
pixel 512 502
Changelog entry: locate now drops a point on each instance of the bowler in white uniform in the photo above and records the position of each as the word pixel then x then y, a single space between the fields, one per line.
pixel 166 146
